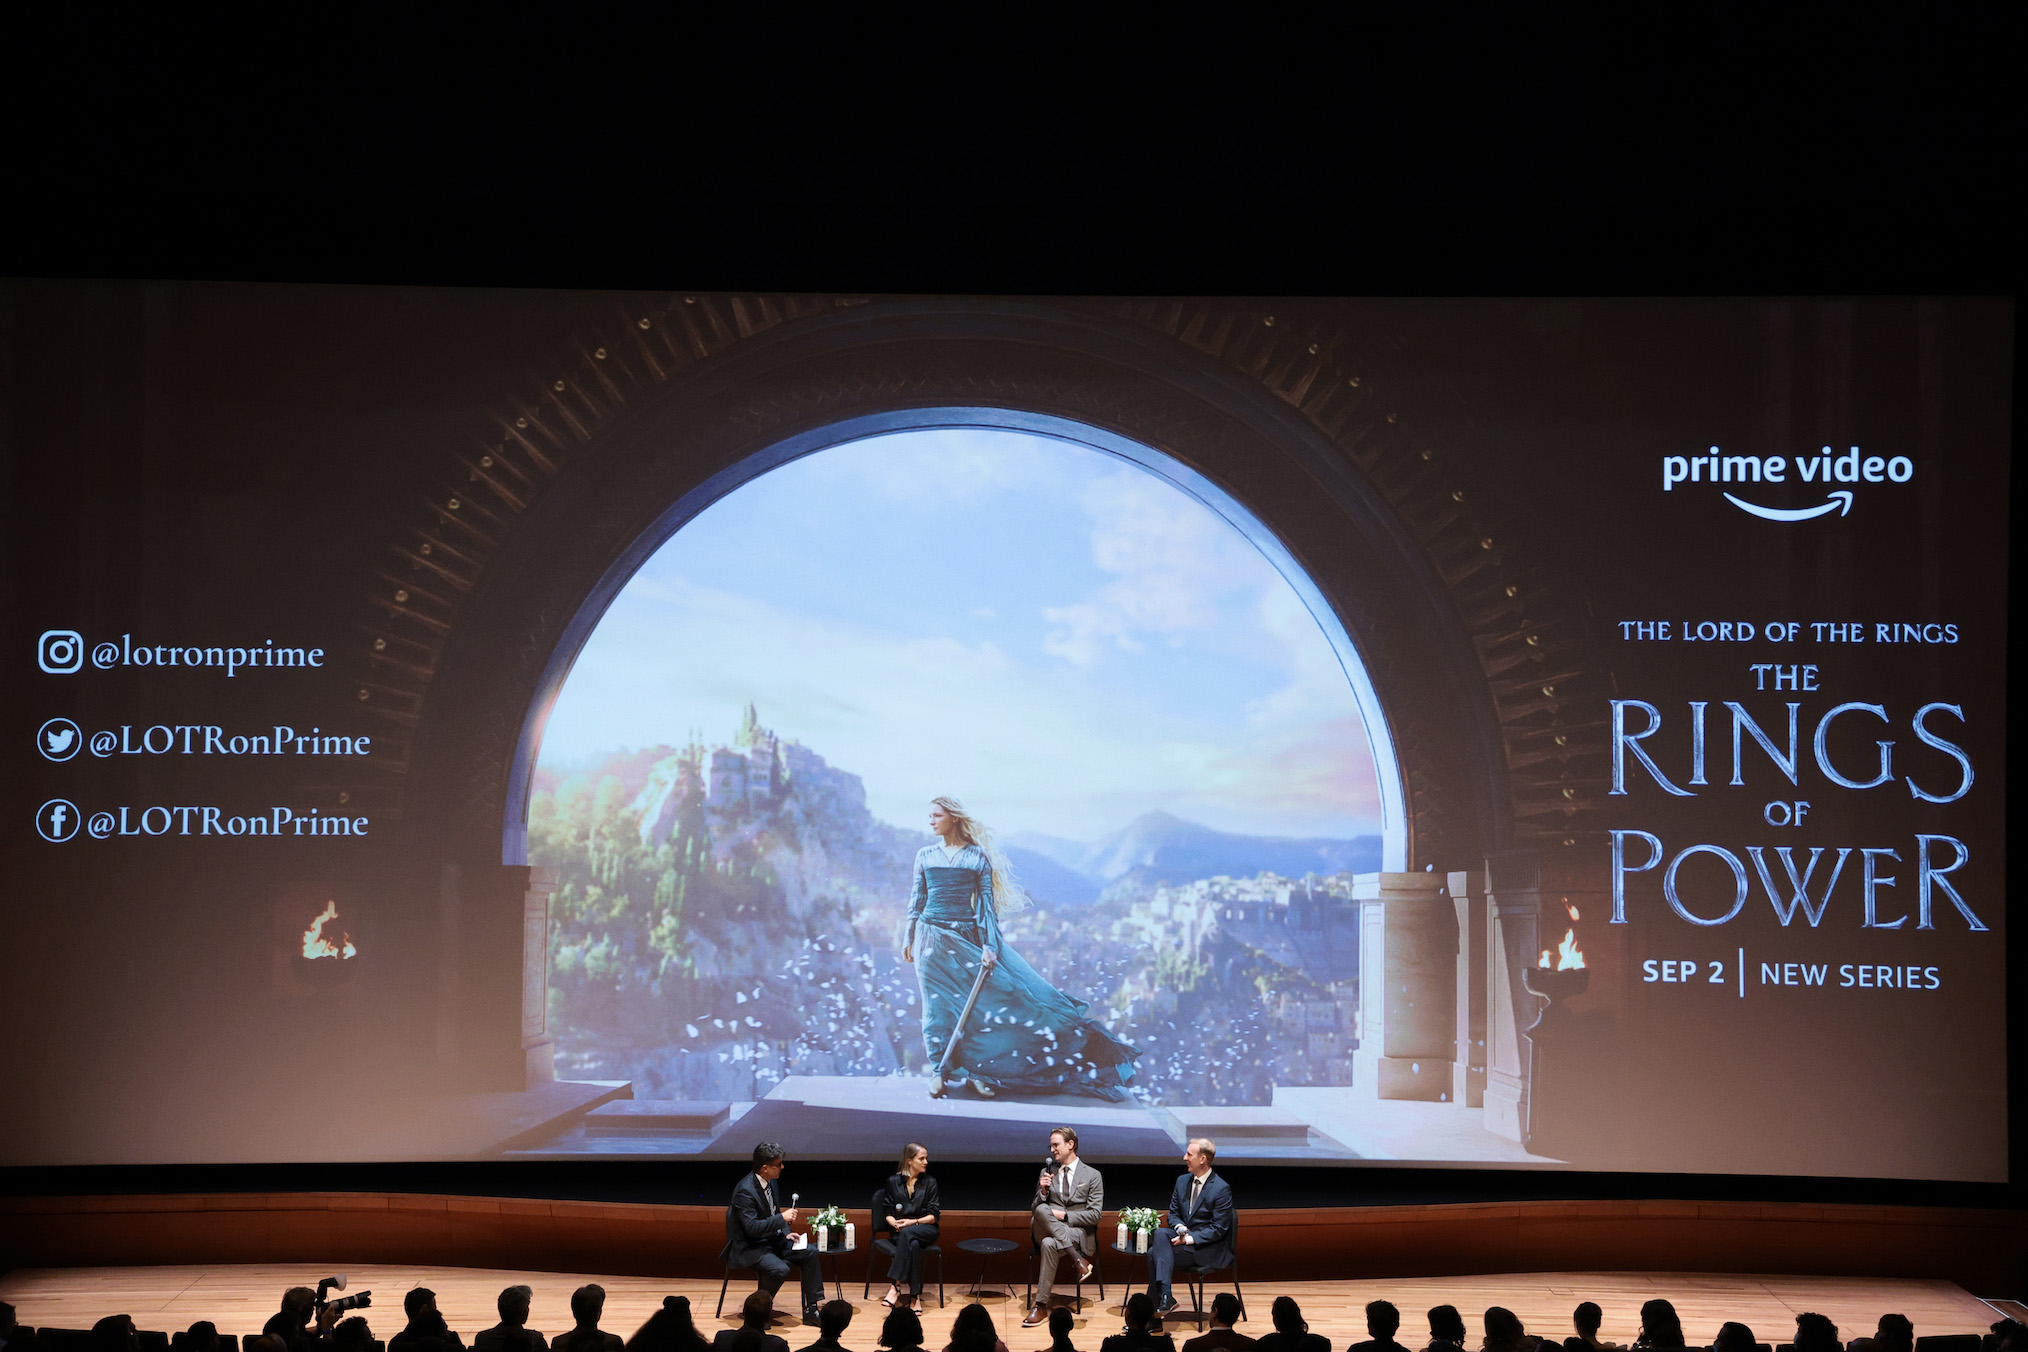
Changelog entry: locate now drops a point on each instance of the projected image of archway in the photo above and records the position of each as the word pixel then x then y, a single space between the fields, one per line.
pixel 735 780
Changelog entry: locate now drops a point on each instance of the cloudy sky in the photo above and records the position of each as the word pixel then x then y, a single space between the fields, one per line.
pixel 1053 635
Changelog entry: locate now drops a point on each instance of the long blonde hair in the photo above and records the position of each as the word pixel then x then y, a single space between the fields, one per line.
pixel 1008 894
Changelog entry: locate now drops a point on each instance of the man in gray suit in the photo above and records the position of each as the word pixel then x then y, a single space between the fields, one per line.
pixel 1068 1199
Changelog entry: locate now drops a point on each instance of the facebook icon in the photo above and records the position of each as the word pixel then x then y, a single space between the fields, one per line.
pixel 56 820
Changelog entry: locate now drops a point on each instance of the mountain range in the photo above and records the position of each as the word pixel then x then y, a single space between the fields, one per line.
pixel 1154 848
pixel 1159 848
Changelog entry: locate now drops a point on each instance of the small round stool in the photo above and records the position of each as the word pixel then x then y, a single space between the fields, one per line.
pixel 988 1250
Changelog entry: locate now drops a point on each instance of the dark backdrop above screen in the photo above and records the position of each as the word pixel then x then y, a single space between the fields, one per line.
pixel 458 725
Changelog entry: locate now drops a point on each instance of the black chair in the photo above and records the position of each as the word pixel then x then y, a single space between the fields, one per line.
pixel 1950 1342
pixel 1195 1278
pixel 720 1312
pixel 66 1340
pixel 227 1342
pixel 877 1223
pixel 151 1340
pixel 1034 1270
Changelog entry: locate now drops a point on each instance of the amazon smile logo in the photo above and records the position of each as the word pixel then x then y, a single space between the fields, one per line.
pixel 1825 468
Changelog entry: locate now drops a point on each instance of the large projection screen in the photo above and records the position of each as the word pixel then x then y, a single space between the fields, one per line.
pixel 1556 734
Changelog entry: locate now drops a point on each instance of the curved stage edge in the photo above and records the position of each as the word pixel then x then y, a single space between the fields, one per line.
pixel 1984 1251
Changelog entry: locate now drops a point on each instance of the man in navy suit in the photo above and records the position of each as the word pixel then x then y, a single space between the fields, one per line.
pixel 757 1232
pixel 1199 1232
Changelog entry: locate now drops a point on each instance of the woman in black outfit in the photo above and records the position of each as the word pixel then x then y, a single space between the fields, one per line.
pixel 910 1210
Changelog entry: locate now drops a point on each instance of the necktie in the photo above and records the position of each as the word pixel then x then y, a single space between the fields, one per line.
pixel 1195 1184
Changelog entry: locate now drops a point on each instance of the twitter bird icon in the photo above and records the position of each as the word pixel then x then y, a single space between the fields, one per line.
pixel 58 739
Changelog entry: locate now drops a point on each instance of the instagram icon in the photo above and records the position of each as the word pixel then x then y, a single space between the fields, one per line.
pixel 60 651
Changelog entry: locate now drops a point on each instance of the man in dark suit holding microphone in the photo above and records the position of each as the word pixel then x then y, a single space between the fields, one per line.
pixel 1199 1232
pixel 757 1232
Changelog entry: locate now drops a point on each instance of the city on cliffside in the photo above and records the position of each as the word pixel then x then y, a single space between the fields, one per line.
pixel 726 916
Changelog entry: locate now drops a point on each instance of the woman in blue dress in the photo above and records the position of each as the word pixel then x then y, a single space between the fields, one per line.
pixel 1022 1035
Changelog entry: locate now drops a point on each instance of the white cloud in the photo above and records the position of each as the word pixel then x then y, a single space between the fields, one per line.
pixel 1030 747
pixel 1253 729
pixel 1173 561
pixel 1317 687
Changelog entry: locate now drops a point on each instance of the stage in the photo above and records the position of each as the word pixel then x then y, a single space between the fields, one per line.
pixel 239 1298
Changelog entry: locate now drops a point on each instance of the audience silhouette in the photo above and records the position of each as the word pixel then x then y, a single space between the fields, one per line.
pixel 1733 1337
pixel 1292 1332
pixel 1815 1333
pixel 673 1329
pixel 669 1329
pixel 1222 1336
pixel 752 1334
pixel 1660 1328
pixel 16 1337
pixel 1139 1335
pixel 1504 1332
pixel 1061 1322
pixel 513 1308
pixel 115 1333
pixel 832 1320
pixel 1446 1329
pixel 901 1331
pixel 426 1330
pixel 1383 1320
pixel 587 1305
pixel 291 1324
pixel 1586 1319
pixel 1893 1333
pixel 972 1331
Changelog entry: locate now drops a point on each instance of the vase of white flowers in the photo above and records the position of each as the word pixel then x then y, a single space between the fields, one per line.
pixel 1139 1222
pixel 828 1226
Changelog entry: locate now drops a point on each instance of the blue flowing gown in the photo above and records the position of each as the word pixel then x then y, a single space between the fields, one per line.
pixel 1024 1034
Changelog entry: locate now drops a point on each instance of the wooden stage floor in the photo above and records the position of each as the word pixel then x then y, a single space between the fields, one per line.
pixel 238 1299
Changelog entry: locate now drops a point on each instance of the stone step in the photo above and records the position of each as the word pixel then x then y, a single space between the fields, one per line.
pixel 656 1115
pixel 1239 1122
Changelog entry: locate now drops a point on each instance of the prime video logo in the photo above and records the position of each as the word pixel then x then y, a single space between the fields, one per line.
pixel 1853 467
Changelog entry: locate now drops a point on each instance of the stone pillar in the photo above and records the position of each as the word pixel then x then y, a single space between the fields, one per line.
pixel 1468 1073
pixel 1408 947
pixel 1513 926
pixel 450 948
pixel 485 977
pixel 538 1049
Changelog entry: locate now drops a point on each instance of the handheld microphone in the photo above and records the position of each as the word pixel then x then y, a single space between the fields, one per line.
pixel 792 1200
pixel 1049 1170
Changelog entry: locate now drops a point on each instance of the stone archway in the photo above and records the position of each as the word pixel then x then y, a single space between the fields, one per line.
pixel 1313 428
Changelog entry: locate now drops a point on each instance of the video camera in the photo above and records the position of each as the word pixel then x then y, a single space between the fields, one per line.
pixel 343 1303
